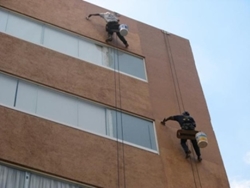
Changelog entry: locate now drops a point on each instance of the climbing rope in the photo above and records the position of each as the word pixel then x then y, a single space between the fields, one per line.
pixel 197 170
pixel 117 62
pixel 117 132
pixel 177 89
pixel 174 76
pixel 192 164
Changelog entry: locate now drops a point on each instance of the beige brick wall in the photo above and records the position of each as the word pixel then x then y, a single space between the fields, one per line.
pixel 83 157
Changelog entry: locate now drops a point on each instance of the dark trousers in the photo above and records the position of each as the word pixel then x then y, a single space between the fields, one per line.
pixel 112 27
pixel 195 145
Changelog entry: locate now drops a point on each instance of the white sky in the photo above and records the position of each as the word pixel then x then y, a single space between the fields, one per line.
pixel 219 33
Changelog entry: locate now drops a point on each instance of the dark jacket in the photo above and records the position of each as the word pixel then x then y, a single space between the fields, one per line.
pixel 186 122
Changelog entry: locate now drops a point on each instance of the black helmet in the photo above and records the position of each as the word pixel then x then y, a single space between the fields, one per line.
pixel 185 113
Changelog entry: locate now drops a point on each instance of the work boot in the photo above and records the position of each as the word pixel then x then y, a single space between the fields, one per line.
pixel 199 158
pixel 188 154
pixel 109 39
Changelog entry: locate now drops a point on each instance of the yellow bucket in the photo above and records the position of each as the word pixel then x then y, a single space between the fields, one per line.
pixel 201 139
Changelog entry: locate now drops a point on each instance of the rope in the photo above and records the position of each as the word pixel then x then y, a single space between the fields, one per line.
pixel 124 170
pixel 120 105
pixel 197 170
pixel 198 175
pixel 117 141
pixel 176 77
pixel 171 67
pixel 176 82
pixel 192 165
pixel 123 151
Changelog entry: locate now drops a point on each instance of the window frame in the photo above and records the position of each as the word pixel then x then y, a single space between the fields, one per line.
pixel 80 128
pixel 28 172
pixel 78 37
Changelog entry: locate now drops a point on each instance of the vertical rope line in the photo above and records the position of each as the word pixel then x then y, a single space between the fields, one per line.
pixel 181 99
pixel 175 79
pixel 192 164
pixel 182 103
pixel 117 132
pixel 197 171
pixel 171 68
pixel 198 175
pixel 119 86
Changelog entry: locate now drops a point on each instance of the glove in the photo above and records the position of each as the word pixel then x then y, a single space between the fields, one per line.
pixel 88 17
pixel 163 122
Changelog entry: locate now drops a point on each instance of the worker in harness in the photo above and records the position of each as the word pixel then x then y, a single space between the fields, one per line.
pixel 111 26
pixel 187 123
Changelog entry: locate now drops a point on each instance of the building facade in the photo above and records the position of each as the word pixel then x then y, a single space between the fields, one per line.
pixel 79 112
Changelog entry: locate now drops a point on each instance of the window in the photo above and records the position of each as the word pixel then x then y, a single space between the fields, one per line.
pixel 71 44
pixel 60 41
pixel 70 110
pixel 91 117
pixel 56 106
pixel 11 178
pixel 3 20
pixel 8 90
pixel 23 28
pixel 90 52
pixel 131 129
pixel 131 65
pixel 15 178
pixel 27 97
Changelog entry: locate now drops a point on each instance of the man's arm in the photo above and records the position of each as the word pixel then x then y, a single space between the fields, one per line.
pixel 166 119
pixel 97 14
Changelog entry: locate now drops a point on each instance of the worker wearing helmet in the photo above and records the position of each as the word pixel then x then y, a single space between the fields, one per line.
pixel 111 26
pixel 187 123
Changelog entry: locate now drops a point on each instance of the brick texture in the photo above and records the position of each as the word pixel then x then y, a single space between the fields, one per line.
pixel 173 86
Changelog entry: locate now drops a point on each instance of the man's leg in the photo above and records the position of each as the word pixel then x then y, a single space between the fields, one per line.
pixel 196 149
pixel 110 33
pixel 185 147
pixel 122 39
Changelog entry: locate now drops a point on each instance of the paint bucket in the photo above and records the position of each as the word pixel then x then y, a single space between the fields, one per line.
pixel 201 139
pixel 123 29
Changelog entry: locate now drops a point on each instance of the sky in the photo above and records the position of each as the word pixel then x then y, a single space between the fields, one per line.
pixel 219 34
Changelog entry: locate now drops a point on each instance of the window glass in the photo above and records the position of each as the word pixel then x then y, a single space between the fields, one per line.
pixel 152 136
pixel 11 178
pixel 3 19
pixel 137 131
pixel 131 65
pixel 15 178
pixel 131 129
pixel 37 181
pixel 24 28
pixel 27 96
pixel 7 89
pixel 57 106
pixel 60 41
pixel 90 52
pixel 91 117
